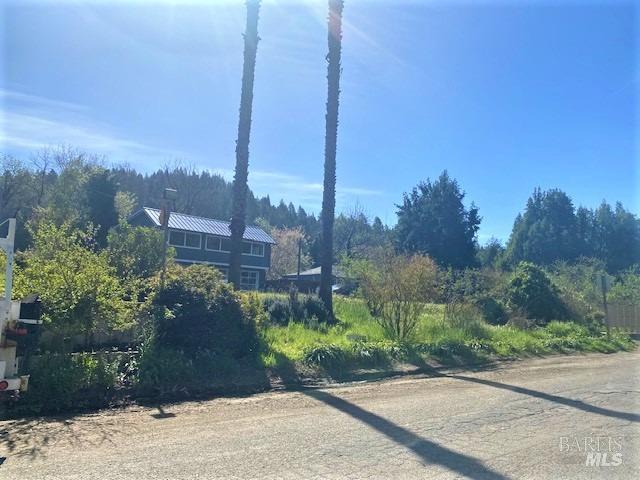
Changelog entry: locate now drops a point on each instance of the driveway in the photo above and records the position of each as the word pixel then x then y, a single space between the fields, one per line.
pixel 558 417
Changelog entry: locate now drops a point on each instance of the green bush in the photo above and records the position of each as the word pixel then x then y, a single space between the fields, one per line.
pixel 565 329
pixel 136 252
pixel 60 382
pixel 466 318
pixel 626 289
pixel 397 289
pixel 279 312
pixel 253 307
pixel 164 370
pixel 314 307
pixel 372 354
pixel 199 311
pixel 80 291
pixel 531 292
pixel 579 288
pixel 492 310
pixel 326 356
pixel 309 310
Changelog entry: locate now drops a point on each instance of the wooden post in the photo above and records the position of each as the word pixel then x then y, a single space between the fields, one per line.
pixel 603 284
pixel 165 213
pixel 299 259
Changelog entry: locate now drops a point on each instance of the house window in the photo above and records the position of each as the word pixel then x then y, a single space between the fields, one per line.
pixel 251 248
pixel 176 238
pixel 216 244
pixel 184 239
pixel 249 280
pixel 193 240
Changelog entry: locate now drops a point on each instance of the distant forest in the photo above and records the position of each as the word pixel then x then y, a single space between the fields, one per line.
pixel 71 186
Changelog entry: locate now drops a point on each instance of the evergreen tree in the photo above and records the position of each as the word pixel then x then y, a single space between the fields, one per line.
pixel 101 193
pixel 547 231
pixel 490 254
pixel 433 220
pixel 551 230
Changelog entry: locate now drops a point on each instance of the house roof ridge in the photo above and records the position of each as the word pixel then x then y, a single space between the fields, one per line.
pixel 204 218
pixel 200 224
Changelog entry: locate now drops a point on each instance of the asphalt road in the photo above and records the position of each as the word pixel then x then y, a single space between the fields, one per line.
pixel 530 419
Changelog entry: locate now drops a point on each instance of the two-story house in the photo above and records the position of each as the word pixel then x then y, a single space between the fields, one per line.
pixel 207 241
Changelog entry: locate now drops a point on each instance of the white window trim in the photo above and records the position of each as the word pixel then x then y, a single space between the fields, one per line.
pixel 185 239
pixel 211 249
pixel 256 284
pixel 204 262
pixel 253 254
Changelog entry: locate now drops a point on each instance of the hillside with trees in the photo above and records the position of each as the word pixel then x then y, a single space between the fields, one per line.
pixel 69 186
pixel 72 186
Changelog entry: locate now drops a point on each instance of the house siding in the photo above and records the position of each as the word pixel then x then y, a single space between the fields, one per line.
pixel 201 255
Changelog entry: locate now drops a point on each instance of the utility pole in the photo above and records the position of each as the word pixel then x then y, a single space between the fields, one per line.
pixel 165 213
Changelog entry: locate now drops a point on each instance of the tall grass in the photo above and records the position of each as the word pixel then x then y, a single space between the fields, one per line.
pixel 460 331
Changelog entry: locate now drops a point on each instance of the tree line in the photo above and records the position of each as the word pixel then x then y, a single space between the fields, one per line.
pixel 433 220
pixel 67 185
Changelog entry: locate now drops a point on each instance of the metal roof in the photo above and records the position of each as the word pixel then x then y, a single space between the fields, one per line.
pixel 191 223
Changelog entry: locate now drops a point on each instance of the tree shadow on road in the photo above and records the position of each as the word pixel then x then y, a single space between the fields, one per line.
pixel 162 413
pixel 578 404
pixel 33 437
pixel 427 450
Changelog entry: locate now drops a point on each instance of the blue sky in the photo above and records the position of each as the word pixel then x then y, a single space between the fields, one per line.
pixel 506 95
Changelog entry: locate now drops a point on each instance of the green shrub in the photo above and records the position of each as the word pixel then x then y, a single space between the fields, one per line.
pixel 565 329
pixel 377 354
pixel 326 356
pixel 314 307
pixel 199 311
pixel 626 289
pixel 579 288
pixel 158 366
pixel 253 307
pixel 466 318
pixel 136 252
pixel 531 292
pixel 60 382
pixel 397 289
pixel 308 310
pixel 279 312
pixel 296 307
pixel 162 369
pixel 80 291
pixel 492 310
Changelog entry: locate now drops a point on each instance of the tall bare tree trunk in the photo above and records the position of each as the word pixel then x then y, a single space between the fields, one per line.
pixel 240 188
pixel 330 146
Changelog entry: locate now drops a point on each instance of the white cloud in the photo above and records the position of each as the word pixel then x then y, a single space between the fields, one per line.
pixel 296 189
pixel 28 99
pixel 30 122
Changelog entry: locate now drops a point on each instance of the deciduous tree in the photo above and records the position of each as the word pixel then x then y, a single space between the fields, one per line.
pixel 284 254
